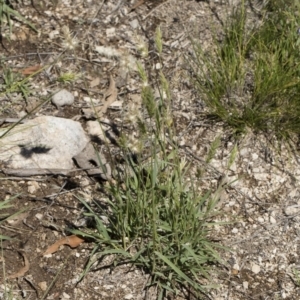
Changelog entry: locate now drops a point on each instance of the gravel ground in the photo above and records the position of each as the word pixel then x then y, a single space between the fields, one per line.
pixel 99 39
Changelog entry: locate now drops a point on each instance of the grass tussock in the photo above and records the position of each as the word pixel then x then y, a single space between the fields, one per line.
pixel 251 78
pixel 154 217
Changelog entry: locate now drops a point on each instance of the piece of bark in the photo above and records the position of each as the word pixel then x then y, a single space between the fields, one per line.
pixel 73 241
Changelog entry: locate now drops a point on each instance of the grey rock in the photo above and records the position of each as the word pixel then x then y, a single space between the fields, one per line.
pixel 63 97
pixel 42 143
pixel 134 24
pixel 292 210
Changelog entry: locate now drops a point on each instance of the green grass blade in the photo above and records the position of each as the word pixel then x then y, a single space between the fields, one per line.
pixel 174 268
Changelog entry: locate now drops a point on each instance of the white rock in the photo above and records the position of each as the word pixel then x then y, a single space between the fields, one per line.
pixel 22 114
pixel 292 210
pixel 53 33
pixel 44 142
pixel 39 216
pixel 182 142
pixel 244 152
pixel 110 32
pixel 43 285
pixel 116 105
pixel 245 285
pixel 234 230
pixel 63 97
pixel 108 286
pixel 33 186
pixel 272 220
pixel 90 100
pixel 157 66
pixel 260 219
pixel 66 296
pixel 255 268
pixel 134 23
pixel 261 176
pixel 128 296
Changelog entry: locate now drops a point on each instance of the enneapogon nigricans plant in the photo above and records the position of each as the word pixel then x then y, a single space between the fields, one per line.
pixel 250 81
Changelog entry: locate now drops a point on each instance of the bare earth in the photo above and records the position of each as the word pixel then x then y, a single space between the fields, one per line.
pixel 261 199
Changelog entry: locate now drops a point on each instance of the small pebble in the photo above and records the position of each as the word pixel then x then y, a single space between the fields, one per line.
pixel 108 286
pixel 66 296
pixel 234 230
pixel 260 219
pixel 62 98
pixel 292 210
pixel 244 151
pixel 255 269
pixel 134 24
pixel 110 32
pixel 43 285
pixel 128 296
pixel 33 186
pixel 39 216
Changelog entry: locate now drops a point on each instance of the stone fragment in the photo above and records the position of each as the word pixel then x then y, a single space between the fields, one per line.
pixel 234 230
pixel 66 296
pixel 43 285
pixel 33 186
pixel 260 219
pixel 39 216
pixel 134 24
pixel 62 98
pixel 292 210
pixel 255 268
